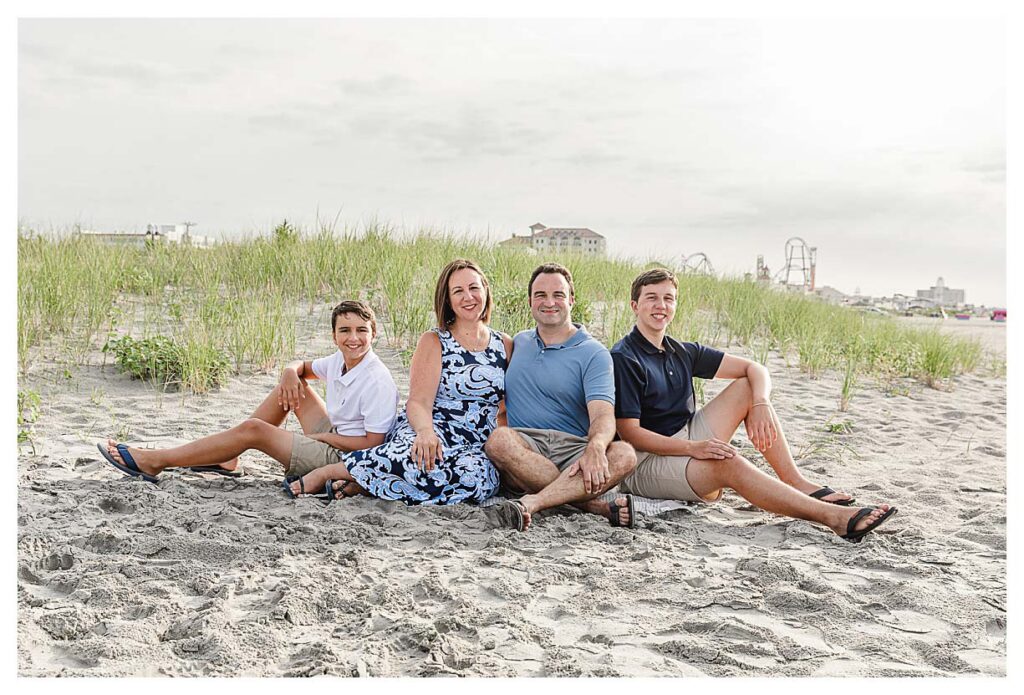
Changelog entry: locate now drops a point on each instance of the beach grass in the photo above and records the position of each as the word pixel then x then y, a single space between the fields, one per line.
pixel 243 299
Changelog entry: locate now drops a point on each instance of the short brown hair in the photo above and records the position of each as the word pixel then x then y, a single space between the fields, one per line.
pixel 443 303
pixel 354 306
pixel 651 277
pixel 551 268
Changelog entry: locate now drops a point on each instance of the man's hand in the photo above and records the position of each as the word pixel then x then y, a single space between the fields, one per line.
pixel 593 466
pixel 293 390
pixel 762 426
pixel 711 449
pixel 426 449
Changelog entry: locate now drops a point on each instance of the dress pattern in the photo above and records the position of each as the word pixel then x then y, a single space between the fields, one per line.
pixel 464 415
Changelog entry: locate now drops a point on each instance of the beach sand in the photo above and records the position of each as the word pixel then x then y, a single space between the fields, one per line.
pixel 204 575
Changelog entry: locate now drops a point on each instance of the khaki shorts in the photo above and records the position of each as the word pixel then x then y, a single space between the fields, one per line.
pixel 664 477
pixel 561 448
pixel 309 454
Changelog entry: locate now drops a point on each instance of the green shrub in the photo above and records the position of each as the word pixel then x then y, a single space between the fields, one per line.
pixel 193 364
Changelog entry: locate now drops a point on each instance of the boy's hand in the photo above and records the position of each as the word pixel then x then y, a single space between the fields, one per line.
pixel 292 390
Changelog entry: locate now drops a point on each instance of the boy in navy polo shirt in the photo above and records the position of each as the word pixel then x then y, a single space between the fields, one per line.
pixel 684 453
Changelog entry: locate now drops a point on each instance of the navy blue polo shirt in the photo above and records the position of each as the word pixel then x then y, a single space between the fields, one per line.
pixel 656 386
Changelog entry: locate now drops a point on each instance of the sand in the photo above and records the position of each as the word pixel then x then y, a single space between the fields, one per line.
pixel 203 575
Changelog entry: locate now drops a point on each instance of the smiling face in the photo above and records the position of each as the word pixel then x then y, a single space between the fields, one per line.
pixel 353 335
pixel 551 301
pixel 467 294
pixel 655 307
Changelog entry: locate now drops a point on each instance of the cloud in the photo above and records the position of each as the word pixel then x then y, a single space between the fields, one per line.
pixel 386 85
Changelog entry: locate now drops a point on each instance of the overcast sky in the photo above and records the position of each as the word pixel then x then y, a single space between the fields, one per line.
pixel 881 141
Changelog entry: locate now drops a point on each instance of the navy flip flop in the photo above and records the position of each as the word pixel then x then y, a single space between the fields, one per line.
pixel 129 467
pixel 614 518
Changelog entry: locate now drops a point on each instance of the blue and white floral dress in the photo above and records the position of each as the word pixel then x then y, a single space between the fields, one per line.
pixel 465 413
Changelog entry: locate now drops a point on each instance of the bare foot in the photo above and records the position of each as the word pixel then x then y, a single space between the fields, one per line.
pixel 807 487
pixel 347 488
pixel 141 457
pixel 623 506
pixel 310 484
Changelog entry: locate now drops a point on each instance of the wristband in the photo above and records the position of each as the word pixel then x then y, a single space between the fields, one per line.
pixel 768 403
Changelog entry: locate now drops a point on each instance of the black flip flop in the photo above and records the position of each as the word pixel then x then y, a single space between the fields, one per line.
pixel 512 514
pixel 614 518
pixel 825 492
pixel 858 536
pixel 237 473
pixel 129 467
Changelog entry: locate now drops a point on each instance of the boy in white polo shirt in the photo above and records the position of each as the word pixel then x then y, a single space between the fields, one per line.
pixel 362 403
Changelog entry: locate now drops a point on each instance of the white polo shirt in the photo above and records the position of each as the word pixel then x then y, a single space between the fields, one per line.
pixel 362 400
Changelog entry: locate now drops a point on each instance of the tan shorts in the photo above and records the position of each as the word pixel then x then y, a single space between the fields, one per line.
pixel 309 454
pixel 664 477
pixel 561 448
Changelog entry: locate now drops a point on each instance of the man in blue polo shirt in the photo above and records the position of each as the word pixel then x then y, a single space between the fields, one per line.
pixel 684 453
pixel 559 400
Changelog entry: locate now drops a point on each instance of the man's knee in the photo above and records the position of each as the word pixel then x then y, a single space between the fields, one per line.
pixel 742 386
pixel 621 458
pixel 499 444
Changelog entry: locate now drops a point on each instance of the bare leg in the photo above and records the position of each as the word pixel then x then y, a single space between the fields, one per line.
pixel 208 451
pixel 729 408
pixel 310 413
pixel 708 477
pixel 525 469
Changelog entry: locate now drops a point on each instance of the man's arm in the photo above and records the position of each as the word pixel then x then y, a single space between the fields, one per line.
pixel 762 422
pixel 593 465
pixel 733 367
pixel 643 439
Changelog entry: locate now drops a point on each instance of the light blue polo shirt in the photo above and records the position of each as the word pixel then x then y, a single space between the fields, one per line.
pixel 548 387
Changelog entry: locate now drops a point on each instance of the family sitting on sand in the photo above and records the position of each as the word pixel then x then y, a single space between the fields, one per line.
pixel 533 418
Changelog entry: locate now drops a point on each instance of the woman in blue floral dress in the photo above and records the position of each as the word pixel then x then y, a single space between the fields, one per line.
pixel 435 452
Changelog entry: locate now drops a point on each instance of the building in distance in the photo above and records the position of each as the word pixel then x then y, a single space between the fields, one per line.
pixel 155 233
pixel 940 295
pixel 559 239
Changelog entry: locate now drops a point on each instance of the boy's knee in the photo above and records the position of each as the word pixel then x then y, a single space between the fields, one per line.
pixel 252 427
pixel 742 384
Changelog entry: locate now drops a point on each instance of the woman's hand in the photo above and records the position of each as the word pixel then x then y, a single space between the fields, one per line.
pixel 711 449
pixel 426 449
pixel 762 426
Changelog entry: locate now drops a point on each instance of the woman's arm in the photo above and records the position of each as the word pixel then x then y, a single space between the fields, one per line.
pixel 424 376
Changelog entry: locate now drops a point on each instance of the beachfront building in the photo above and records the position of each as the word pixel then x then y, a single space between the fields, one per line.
pixel 565 239
pixel 162 233
pixel 832 295
pixel 940 295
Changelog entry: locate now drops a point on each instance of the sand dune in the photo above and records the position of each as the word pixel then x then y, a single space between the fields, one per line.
pixel 203 575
